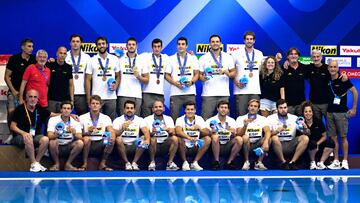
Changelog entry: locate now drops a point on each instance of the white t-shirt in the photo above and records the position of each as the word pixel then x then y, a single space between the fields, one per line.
pixel 130 86
pixel 254 129
pixel 67 137
pixel 103 122
pixel 192 64
pixel 79 84
pixel 187 127
pixel 162 135
pixel 100 87
pixel 224 134
pixel 130 134
pixel 148 64
pixel 218 85
pixel 290 131
pixel 241 63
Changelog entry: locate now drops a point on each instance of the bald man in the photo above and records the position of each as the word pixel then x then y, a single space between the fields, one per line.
pixel 61 84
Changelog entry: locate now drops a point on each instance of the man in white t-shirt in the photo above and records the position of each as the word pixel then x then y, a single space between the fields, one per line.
pixel 224 141
pixel 102 77
pixel 182 73
pixel 129 140
pixel 163 139
pixel 216 67
pixel 132 76
pixel 65 137
pixel 247 62
pixel 193 137
pixel 286 138
pixel 78 60
pixel 156 63
pixel 256 134
pixel 98 134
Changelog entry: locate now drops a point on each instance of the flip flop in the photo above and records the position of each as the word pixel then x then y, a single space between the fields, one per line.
pixel 54 168
pixel 71 168
pixel 106 168
pixel 82 168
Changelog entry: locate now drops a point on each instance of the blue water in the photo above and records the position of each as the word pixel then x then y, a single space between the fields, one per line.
pixel 183 190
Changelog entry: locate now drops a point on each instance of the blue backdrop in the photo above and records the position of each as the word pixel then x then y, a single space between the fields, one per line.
pixel 277 24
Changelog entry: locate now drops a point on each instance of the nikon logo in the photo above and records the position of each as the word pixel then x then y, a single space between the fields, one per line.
pixel 325 50
pixel 89 48
pixel 203 48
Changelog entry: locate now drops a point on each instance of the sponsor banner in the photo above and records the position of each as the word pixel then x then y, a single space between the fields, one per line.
pixel 306 60
pixel 113 46
pixel 350 50
pixel 4 58
pixel 351 73
pixel 203 48
pixel 342 61
pixel 89 48
pixel 3 92
pixel 230 48
pixel 329 50
pixel 358 62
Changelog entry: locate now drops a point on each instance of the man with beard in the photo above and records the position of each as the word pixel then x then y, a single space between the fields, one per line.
pixel 286 138
pixel 216 86
pixel 61 85
pixel 37 77
pixel 103 77
pixel 132 75
pixel 78 60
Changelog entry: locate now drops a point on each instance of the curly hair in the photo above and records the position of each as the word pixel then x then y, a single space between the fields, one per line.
pixel 277 70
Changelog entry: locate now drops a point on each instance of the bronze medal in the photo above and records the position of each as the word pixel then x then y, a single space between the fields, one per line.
pixel 157 81
pixel 251 74
pixel 284 126
pixel 76 76
pixel 104 77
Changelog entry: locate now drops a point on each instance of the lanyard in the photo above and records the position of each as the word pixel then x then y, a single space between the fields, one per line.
pixel 189 124
pixel 129 118
pixel 332 90
pixel 133 63
pixel 75 65
pixel 251 63
pixel 183 66
pixel 162 121
pixel 157 67
pixel 218 63
pixel 94 123
pixel 43 74
pixel 28 116
pixel 106 65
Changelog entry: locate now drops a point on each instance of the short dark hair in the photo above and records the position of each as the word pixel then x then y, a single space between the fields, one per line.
pixel 129 102
pixel 131 39
pixel 96 98
pixel 183 39
pixel 214 35
pixel 251 33
pixel 76 35
pixel 280 102
pixel 189 103
pixel 222 103
pixel 26 40
pixel 155 41
pixel 66 102
pixel 101 38
pixel 307 104
pixel 293 49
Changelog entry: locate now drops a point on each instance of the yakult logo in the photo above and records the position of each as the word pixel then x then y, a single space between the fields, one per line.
pixel 350 50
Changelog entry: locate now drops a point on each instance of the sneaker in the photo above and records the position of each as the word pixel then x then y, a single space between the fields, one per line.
pixel 42 167
pixel 260 166
pixel 35 167
pixel 230 166
pixel 345 165
pixel 135 167
pixel 152 166
pixel 313 165
pixel 195 166
pixel 335 165
pixel 292 166
pixel 284 166
pixel 246 166
pixel 216 165
pixel 172 167
pixel 128 166
pixel 185 166
pixel 320 165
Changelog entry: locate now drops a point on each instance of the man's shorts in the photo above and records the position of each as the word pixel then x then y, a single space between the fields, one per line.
pixel 18 140
pixel 337 124
pixel 289 147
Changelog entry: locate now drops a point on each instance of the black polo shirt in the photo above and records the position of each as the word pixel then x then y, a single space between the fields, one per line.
pixel 17 65
pixel 316 130
pixel 270 88
pixel 294 83
pixel 319 80
pixel 59 82
pixel 20 117
pixel 339 88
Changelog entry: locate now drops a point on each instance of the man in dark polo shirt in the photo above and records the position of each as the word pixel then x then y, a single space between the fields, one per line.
pixel 338 113
pixel 27 132
pixel 14 71
pixel 294 78
pixel 61 84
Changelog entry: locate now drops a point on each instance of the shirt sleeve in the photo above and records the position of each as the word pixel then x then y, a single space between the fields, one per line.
pixel 11 63
pixel 27 73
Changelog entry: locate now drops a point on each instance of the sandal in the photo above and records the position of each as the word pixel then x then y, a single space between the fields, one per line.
pixel 54 168
pixel 106 168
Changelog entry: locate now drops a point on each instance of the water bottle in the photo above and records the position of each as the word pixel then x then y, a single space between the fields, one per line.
pixel 106 139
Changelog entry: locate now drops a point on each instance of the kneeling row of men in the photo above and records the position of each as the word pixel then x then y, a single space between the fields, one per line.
pixel 94 132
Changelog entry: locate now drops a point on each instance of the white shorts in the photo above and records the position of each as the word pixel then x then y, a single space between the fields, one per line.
pixel 267 105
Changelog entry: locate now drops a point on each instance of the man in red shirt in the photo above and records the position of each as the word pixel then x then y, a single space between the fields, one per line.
pixel 37 77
